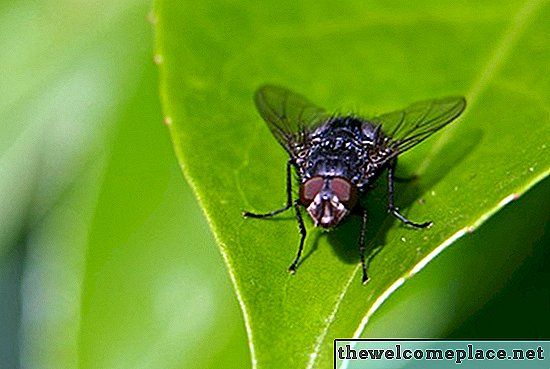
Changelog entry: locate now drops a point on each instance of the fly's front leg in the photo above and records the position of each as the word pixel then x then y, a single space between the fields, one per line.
pixel 391 206
pixel 294 265
pixel 362 245
pixel 288 205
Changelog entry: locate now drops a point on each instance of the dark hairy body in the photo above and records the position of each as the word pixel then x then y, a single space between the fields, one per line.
pixel 337 158
pixel 347 147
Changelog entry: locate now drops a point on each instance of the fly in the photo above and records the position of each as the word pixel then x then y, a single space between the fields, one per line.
pixel 337 158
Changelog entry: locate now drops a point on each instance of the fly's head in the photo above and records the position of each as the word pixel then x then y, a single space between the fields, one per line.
pixel 328 199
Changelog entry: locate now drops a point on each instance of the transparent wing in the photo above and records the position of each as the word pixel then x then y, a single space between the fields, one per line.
pixel 289 116
pixel 408 127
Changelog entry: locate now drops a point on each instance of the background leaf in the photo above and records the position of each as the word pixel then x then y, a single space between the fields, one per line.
pixel 372 58
pixel 105 258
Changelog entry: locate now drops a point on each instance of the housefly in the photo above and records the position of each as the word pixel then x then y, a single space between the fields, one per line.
pixel 338 157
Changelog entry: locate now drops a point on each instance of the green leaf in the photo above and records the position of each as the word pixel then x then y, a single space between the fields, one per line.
pixel 98 259
pixel 368 58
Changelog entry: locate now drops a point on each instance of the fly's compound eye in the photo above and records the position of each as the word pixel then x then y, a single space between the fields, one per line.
pixel 310 189
pixel 344 190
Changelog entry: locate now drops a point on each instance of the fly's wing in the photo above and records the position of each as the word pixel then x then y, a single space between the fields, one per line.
pixel 406 128
pixel 289 116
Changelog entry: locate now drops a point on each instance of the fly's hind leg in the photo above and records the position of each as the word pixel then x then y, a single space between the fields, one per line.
pixel 392 208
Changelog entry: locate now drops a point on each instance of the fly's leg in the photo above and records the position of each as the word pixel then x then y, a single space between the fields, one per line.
pixel 391 206
pixel 292 268
pixel 362 245
pixel 288 205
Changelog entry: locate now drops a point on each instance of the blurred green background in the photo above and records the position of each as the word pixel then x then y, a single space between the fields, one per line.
pixel 90 183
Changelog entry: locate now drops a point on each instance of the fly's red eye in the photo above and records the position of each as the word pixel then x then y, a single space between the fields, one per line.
pixel 310 189
pixel 344 190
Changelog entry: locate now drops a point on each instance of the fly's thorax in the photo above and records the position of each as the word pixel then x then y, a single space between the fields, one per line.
pixel 328 199
pixel 341 148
